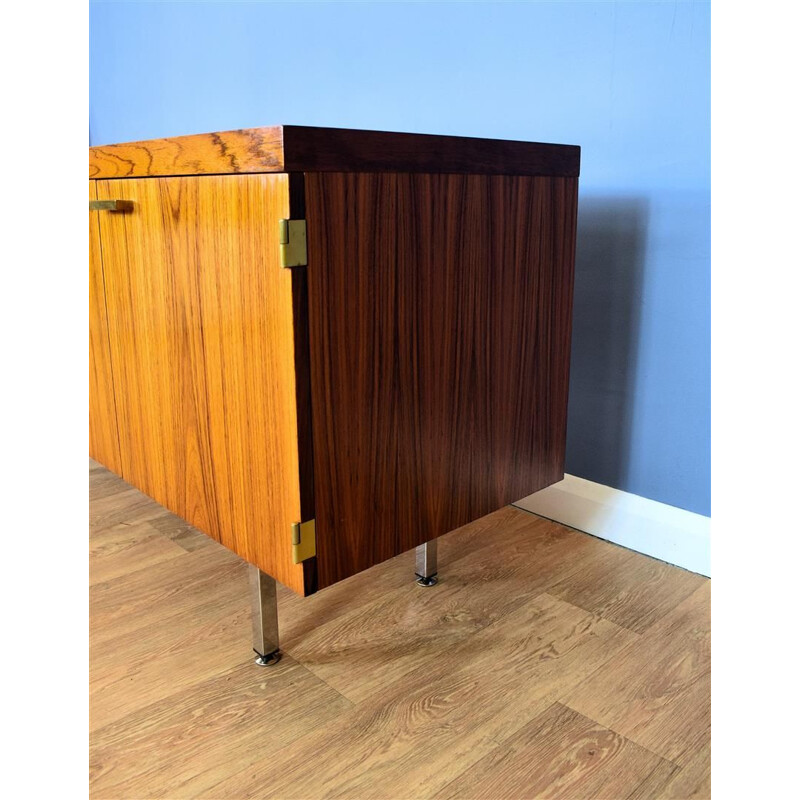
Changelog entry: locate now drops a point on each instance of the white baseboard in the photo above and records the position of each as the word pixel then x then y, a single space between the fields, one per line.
pixel 647 526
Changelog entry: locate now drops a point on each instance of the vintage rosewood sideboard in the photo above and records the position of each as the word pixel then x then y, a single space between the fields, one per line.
pixel 325 347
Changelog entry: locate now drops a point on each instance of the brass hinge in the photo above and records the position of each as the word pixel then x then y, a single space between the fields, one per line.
pixel 304 540
pixel 293 243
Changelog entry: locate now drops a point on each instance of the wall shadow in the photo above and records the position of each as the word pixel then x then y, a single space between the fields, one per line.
pixel 609 271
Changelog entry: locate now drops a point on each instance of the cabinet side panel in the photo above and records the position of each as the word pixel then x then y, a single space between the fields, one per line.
pixel 103 438
pixel 440 315
pixel 200 315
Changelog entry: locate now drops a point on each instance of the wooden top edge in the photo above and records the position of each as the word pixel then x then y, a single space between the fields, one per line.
pixel 292 148
pixel 251 150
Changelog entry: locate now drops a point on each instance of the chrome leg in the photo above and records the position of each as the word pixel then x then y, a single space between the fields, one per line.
pixel 264 602
pixel 426 568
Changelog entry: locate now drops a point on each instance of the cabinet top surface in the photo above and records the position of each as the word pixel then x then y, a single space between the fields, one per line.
pixel 292 148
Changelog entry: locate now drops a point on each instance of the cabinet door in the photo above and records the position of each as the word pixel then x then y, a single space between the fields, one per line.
pixel 202 343
pixel 103 441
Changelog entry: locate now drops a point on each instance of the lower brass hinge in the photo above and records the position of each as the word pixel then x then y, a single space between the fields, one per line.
pixel 304 540
pixel 293 243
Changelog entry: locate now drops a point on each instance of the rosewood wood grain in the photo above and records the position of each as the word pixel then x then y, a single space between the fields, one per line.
pixel 439 313
pixel 202 339
pixel 343 150
pixel 251 150
pixel 103 436
pixel 303 149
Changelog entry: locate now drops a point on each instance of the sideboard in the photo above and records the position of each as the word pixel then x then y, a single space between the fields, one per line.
pixel 325 347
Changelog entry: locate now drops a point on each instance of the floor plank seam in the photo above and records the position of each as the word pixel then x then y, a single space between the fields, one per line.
pixel 601 614
pixel 316 676
pixel 627 737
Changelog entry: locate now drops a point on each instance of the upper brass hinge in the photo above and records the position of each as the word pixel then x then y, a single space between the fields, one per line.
pixel 304 540
pixel 293 243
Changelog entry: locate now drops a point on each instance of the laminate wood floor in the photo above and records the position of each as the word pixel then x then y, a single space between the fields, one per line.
pixel 545 664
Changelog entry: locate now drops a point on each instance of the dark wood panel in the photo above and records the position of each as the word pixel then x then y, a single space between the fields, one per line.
pixel 296 148
pixel 342 150
pixel 202 327
pixel 103 436
pixel 440 314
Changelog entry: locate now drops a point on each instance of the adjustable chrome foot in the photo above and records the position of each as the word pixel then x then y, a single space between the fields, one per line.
pixel 267 660
pixel 264 603
pixel 426 567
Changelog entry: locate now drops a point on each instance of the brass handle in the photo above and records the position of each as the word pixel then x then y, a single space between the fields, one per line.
pixel 111 205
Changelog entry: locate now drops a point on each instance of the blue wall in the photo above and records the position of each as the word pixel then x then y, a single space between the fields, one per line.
pixel 629 82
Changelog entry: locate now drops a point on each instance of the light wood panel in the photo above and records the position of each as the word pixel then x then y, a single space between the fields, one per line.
pixel 103 437
pixel 173 716
pixel 201 327
pixel 295 148
pixel 439 314
pixel 250 150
